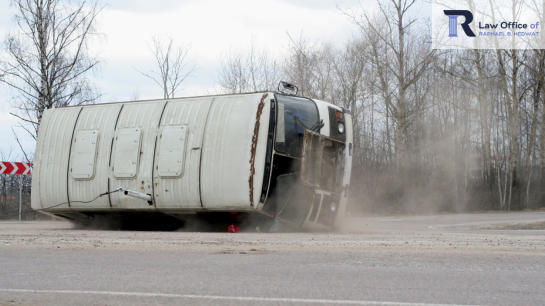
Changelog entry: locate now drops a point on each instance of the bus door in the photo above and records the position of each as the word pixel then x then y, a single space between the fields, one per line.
pixel 314 194
pixel 323 168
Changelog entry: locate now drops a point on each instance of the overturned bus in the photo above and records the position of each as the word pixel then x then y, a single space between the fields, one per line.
pixel 266 159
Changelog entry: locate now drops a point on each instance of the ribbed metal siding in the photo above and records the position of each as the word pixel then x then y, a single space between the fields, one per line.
pixel 51 158
pixel 145 116
pixel 225 168
pixel 220 130
pixel 183 192
pixel 102 118
pixel 35 199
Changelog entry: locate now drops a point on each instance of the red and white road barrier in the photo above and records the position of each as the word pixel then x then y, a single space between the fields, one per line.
pixel 15 168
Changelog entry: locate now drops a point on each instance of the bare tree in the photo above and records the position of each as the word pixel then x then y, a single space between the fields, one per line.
pixel 173 64
pixel 135 96
pixel 300 64
pixel 248 70
pixel 48 61
pixel 397 29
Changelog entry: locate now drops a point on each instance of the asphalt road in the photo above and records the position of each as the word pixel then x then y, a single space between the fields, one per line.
pixel 429 260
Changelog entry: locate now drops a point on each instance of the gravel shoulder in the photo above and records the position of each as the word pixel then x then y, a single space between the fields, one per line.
pixel 393 234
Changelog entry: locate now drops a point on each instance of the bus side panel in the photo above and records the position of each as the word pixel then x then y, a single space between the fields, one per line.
pixel 233 148
pixel 51 159
pixel 133 152
pixel 347 170
pixel 35 199
pixel 182 191
pixel 99 119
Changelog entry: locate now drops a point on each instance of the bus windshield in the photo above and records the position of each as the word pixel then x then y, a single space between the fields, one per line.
pixel 294 116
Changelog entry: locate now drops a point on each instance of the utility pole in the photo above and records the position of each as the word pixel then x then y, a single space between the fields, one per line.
pixel 20 195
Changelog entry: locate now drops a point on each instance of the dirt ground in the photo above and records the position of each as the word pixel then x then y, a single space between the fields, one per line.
pixel 522 232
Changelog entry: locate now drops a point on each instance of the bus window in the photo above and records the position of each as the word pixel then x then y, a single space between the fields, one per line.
pixel 295 115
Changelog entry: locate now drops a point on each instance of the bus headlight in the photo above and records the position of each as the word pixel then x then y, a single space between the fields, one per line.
pixel 333 206
pixel 341 128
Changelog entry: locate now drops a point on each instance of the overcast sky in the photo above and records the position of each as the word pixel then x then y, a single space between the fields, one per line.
pixel 211 26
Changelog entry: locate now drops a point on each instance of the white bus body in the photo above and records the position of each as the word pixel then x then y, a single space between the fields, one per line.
pixel 204 156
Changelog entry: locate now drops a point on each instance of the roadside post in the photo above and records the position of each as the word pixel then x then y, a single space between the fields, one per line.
pixel 20 169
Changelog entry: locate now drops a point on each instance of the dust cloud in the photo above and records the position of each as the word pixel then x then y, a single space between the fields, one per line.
pixel 435 178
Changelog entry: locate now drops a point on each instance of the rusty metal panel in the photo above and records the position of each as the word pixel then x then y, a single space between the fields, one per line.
pixel 49 183
pixel 144 116
pixel 183 191
pixel 99 118
pixel 234 149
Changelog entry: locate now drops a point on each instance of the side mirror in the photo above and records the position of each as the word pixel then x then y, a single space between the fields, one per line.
pixel 285 86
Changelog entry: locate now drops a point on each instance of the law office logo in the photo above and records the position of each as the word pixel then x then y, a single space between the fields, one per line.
pixel 477 24
pixel 453 22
